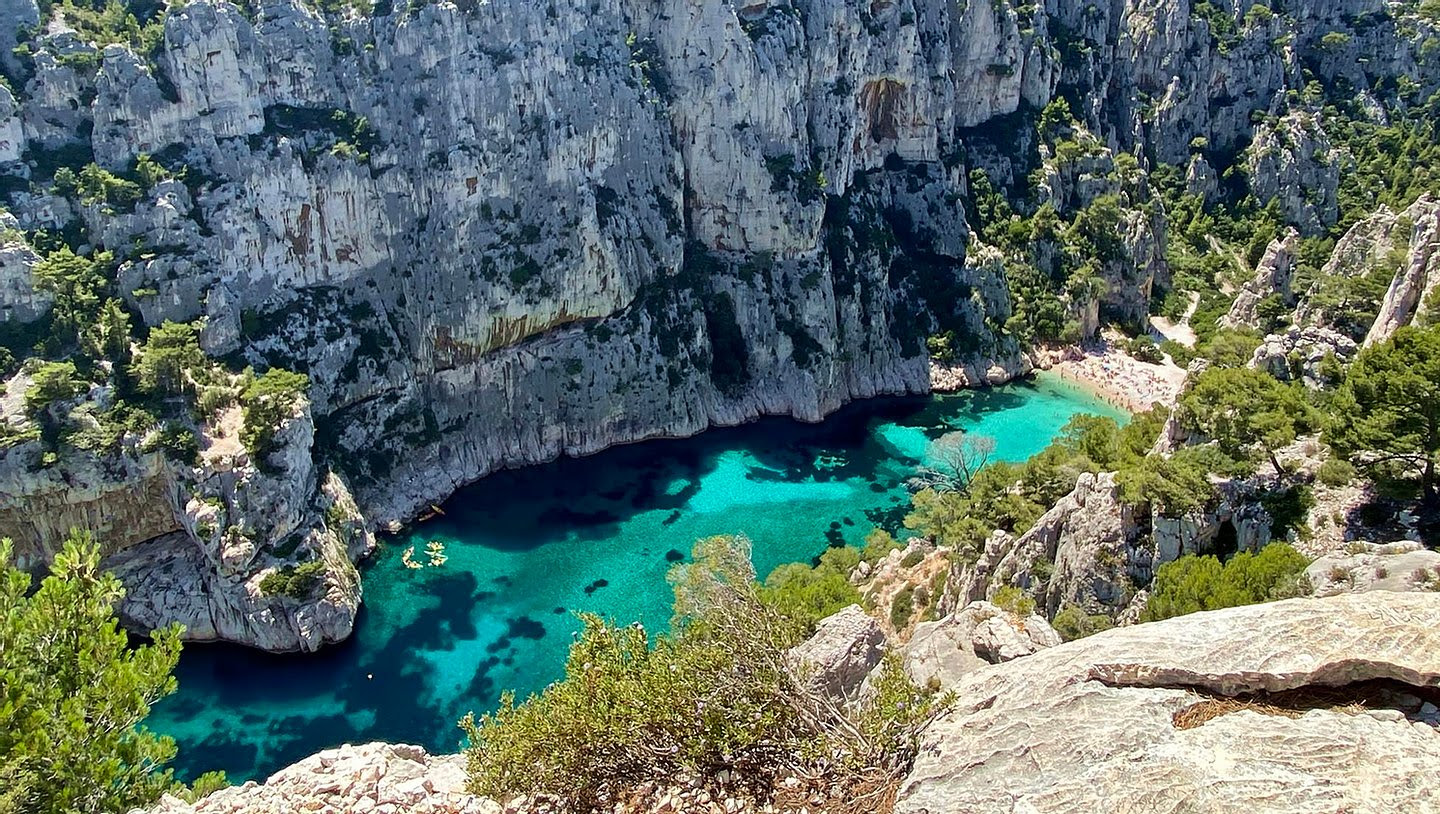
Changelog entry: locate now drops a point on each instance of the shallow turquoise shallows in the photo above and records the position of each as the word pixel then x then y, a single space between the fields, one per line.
pixel 526 549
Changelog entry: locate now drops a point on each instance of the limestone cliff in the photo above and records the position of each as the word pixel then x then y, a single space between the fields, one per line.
pixel 497 233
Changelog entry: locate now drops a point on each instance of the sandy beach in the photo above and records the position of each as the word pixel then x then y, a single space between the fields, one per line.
pixel 1120 379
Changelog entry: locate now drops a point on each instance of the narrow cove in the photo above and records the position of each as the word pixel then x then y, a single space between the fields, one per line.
pixel 527 549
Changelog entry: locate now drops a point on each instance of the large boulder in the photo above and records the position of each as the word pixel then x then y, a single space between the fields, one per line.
pixel 974 637
pixel 1299 353
pixel 1092 725
pixel 1090 539
pixel 846 646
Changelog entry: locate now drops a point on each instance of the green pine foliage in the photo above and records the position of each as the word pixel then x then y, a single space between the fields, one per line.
pixel 78 285
pixel 1012 496
pixel 1192 583
pixel 74 692
pixel 294 581
pixel 808 594
pixel 51 383
pixel 1247 411
pixel 268 401
pixel 1072 622
pixel 1385 417
pixel 171 364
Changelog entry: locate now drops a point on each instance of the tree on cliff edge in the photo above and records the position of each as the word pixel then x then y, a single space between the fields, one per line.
pixel 73 692
pixel 1387 414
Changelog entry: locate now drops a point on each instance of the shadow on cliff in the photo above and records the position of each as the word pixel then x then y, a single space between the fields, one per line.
pixel 590 498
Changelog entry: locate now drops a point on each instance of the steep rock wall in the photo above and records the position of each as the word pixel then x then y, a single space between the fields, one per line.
pixel 496 233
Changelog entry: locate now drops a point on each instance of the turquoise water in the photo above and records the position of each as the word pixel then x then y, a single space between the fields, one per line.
pixel 528 548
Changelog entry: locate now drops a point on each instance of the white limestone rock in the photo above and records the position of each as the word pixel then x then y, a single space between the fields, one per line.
pixel 1087 726
pixel 372 777
pixel 1292 161
pixel 1410 295
pixel 1299 353
pixel 20 300
pixel 838 657
pixel 973 637
pixel 1375 242
pixel 1399 566
pixel 1272 277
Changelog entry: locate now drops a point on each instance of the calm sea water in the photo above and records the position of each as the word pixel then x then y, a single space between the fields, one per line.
pixel 528 548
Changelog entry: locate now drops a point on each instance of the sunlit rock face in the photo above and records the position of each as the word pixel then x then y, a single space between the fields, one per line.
pixel 493 233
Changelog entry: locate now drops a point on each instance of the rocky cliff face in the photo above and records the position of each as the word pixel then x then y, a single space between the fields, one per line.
pixel 1093 551
pixel 493 234
pixel 1398 247
pixel 194 541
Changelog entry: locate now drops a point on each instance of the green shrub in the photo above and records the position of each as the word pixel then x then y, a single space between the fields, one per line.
pixel 878 544
pixel 912 559
pixel 1193 583
pixel 1013 600
pixel 902 607
pixel 805 594
pixel 1230 347
pixel 171 362
pixel 1072 622
pixel 1144 349
pixel 1179 354
pixel 1336 472
pixel 52 382
pixel 77 283
pixel 294 581
pixel 177 441
pixel 717 693
pixel 1289 511
pixel 204 785
pixel 267 402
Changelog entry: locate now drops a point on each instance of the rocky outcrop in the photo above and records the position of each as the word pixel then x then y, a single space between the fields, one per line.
pixel 973 637
pixel 1272 279
pixel 1087 542
pixel 1299 354
pixel 1292 162
pixel 374 777
pixel 1402 247
pixel 194 541
pixel 1411 295
pixel 20 301
pixel 1126 719
pixel 1094 551
pixel 844 649
pixel 1399 566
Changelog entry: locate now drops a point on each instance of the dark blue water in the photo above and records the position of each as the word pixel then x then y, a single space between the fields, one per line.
pixel 528 548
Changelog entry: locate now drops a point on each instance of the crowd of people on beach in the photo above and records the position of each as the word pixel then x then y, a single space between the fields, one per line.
pixel 1122 380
